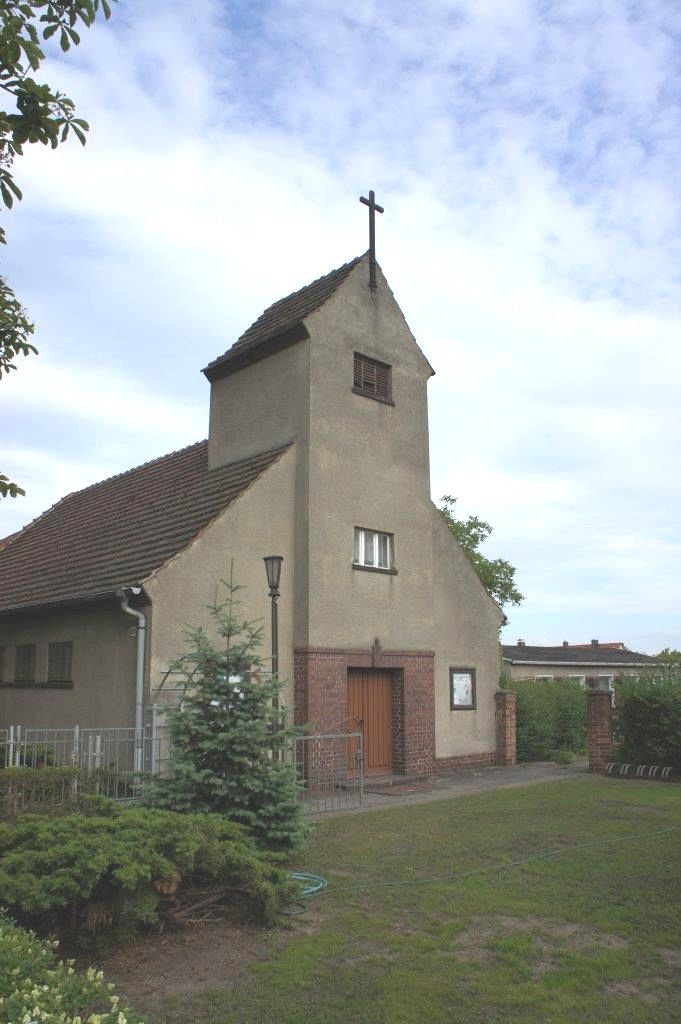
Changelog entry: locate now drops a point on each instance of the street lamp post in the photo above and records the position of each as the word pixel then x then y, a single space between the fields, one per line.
pixel 273 567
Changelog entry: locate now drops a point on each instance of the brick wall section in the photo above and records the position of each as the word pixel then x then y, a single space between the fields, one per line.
pixel 398 722
pixel 484 760
pixel 598 729
pixel 505 726
pixel 320 681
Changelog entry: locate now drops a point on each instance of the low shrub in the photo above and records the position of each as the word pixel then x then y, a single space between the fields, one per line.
pixel 550 719
pixel 33 788
pixel 108 869
pixel 649 718
pixel 36 986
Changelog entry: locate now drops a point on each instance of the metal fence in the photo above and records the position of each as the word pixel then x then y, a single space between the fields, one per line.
pixel 109 761
pixel 329 771
pixel 114 762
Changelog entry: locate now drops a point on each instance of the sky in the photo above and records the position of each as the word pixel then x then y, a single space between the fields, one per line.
pixel 527 156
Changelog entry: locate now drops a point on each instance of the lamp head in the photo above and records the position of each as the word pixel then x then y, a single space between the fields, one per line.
pixel 273 567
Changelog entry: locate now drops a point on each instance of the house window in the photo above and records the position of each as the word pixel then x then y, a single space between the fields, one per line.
pixel 374 550
pixel 462 689
pixel 579 679
pixel 59 662
pixel 543 679
pixel 372 378
pixel 606 683
pixel 24 663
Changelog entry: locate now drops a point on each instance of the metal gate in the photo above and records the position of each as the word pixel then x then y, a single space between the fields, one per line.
pixel 329 771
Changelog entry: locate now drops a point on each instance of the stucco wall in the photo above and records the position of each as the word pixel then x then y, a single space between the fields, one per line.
pixel 466 636
pixel 259 523
pixel 103 668
pixel 260 407
pixel 561 671
pixel 369 467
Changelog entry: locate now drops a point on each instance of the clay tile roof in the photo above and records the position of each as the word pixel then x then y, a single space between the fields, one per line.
pixel 8 539
pixel 119 531
pixel 573 656
pixel 285 314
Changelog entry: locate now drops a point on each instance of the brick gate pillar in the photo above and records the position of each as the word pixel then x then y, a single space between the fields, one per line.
pixel 505 721
pixel 599 741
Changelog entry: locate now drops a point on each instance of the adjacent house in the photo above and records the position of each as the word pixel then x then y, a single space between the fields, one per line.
pixel 317 452
pixel 599 664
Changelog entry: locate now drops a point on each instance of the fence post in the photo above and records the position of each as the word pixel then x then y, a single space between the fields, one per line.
pixel 154 739
pixel 75 760
pixel 9 755
pixel 599 741
pixel 505 723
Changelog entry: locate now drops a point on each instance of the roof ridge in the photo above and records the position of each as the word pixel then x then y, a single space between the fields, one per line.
pixel 311 284
pixel 284 314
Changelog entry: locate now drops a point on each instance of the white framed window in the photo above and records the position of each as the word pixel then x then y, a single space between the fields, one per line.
pixel 373 549
pixel 578 679
pixel 606 683
pixel 543 679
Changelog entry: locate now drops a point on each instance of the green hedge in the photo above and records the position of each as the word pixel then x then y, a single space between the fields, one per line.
pixel 33 788
pixel 113 870
pixel 649 718
pixel 35 986
pixel 550 719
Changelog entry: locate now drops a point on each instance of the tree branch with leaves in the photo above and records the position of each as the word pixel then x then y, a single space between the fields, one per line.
pixel 35 112
pixel 496 574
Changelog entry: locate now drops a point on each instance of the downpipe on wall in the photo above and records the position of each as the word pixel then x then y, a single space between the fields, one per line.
pixel 139 672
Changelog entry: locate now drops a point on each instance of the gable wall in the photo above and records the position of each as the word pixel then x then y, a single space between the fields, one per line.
pixel 103 668
pixel 369 467
pixel 258 523
pixel 466 629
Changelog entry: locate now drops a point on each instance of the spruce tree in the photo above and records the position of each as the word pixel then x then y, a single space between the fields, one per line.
pixel 227 738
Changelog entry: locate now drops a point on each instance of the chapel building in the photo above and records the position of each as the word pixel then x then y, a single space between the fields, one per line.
pixel 317 452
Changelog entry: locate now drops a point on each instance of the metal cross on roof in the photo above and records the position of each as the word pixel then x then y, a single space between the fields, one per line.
pixel 373 208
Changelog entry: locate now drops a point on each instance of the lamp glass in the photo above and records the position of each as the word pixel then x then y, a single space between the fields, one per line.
pixel 273 567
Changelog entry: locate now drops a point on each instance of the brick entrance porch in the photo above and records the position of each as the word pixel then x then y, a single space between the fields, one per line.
pixel 320 684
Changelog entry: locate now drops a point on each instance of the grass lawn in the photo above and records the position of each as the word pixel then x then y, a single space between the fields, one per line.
pixel 592 936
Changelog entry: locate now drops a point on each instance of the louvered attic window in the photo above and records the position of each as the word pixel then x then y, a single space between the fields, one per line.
pixel 372 379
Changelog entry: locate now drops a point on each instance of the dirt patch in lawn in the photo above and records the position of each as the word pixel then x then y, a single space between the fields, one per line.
pixel 182 962
pixel 570 936
pixel 549 938
pixel 640 989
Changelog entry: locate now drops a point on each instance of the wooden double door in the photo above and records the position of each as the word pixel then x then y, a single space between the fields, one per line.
pixel 370 705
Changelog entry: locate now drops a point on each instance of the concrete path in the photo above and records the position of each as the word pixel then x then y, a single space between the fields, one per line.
pixel 462 783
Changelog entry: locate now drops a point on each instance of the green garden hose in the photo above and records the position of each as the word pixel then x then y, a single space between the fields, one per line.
pixel 318 886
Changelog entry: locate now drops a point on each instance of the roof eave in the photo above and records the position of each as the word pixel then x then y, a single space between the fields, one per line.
pixel 62 602
pixel 233 361
pixel 579 664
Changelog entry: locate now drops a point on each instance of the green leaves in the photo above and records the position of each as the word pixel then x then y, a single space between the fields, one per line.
pixel 550 718
pixel 35 985
pixel 649 717
pixel 497 575
pixel 118 869
pixel 8 489
pixel 15 329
